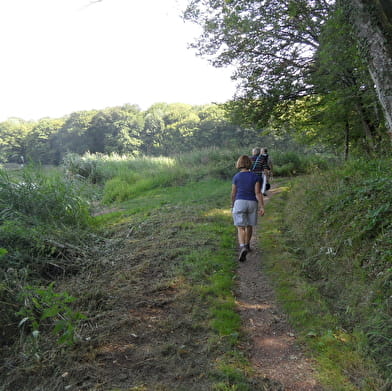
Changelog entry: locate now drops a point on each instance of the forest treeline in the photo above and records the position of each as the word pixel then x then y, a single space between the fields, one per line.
pixel 163 129
pixel 317 72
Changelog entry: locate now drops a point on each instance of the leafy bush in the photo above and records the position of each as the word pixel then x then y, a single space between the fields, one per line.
pixel 292 163
pixel 287 169
pixel 43 307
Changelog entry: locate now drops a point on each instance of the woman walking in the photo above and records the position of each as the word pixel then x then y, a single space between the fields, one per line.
pixel 246 200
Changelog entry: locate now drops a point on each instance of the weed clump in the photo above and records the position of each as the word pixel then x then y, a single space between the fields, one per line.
pixel 42 226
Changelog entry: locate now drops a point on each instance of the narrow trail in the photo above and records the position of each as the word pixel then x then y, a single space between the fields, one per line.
pixel 271 345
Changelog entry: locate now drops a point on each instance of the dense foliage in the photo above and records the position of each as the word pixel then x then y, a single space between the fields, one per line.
pixel 301 68
pixel 163 129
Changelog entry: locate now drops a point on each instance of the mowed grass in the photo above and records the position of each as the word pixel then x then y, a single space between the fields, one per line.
pixel 159 301
pixel 196 221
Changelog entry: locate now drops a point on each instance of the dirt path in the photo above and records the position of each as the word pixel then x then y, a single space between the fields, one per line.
pixel 272 345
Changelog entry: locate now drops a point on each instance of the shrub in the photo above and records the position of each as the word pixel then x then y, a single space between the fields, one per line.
pixel 292 163
pixel 86 167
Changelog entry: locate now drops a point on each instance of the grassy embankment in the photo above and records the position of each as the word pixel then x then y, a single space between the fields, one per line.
pixel 162 265
pixel 328 241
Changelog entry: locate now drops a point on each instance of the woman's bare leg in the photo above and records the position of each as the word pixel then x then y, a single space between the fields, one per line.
pixel 242 235
pixel 248 234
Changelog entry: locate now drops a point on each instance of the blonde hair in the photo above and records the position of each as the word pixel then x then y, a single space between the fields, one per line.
pixel 244 162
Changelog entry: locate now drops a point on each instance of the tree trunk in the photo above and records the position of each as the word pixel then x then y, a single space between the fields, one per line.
pixel 375 46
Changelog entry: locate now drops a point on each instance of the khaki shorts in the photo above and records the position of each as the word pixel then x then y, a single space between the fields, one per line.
pixel 245 213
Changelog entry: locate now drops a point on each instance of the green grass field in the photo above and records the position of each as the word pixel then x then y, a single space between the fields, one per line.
pixel 144 269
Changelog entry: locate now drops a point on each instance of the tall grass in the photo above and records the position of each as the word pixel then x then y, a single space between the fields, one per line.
pixel 124 177
pixel 43 221
pixel 340 224
pixel 43 199
pixel 39 202
pixel 129 184
pixel 99 168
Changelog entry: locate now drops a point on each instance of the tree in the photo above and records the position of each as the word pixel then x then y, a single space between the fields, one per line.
pixel 373 23
pixel 270 42
pixel 346 95
pixel 41 141
pixel 13 135
pixel 154 126
pixel 286 50
pixel 217 129
pixel 181 123
pixel 124 126
pixel 72 137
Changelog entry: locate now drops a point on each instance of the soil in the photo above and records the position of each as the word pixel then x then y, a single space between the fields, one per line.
pixel 272 347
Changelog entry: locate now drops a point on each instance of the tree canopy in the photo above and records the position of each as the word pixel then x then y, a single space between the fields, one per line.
pixel 294 57
pixel 270 42
pixel 163 129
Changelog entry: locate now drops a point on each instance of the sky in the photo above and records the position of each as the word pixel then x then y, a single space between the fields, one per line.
pixel 61 56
